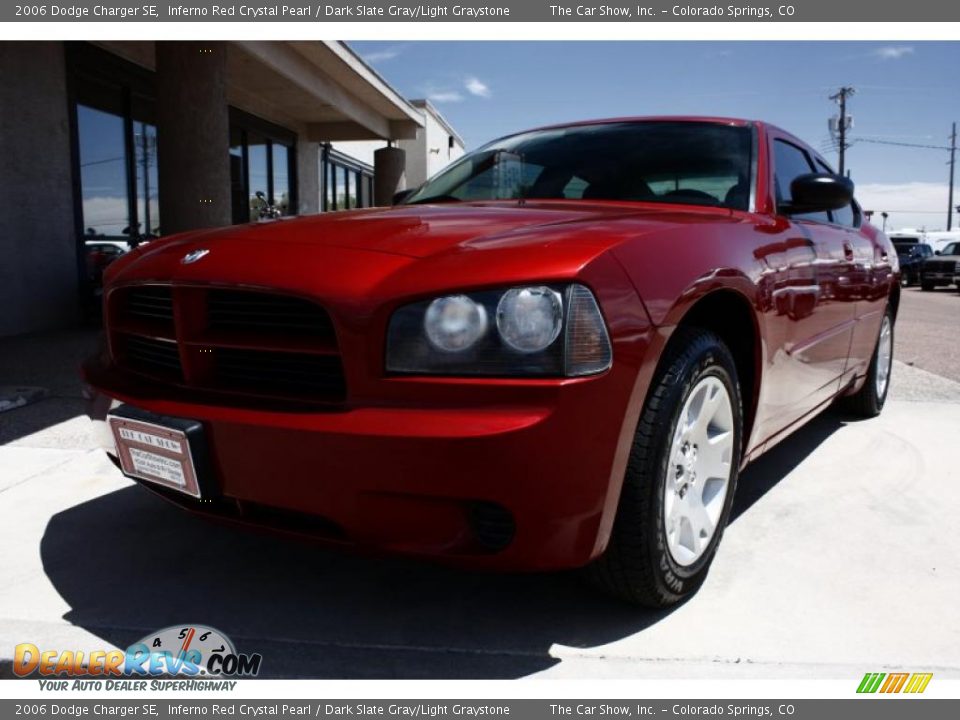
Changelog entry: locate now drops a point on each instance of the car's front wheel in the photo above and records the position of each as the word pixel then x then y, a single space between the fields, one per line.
pixel 680 479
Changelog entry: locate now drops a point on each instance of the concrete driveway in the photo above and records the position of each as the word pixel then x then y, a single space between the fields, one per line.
pixel 842 557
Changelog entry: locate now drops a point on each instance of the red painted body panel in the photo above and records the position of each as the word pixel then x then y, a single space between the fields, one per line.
pixel 400 464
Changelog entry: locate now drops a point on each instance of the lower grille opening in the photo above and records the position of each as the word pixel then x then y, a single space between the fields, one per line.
pixel 152 357
pixel 251 513
pixel 492 524
pixel 291 521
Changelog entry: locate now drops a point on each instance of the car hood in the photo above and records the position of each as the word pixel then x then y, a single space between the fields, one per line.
pixel 356 250
pixel 416 230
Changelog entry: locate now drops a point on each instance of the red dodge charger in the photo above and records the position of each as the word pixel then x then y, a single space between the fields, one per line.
pixel 557 353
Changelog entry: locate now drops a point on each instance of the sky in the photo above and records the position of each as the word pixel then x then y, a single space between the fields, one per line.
pixel 906 92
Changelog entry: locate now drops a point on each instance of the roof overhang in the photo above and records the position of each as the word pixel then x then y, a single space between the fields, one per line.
pixel 323 85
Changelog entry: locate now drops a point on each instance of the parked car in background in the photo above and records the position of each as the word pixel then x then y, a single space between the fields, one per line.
pixel 942 268
pixel 99 255
pixel 911 254
pixel 557 353
pixel 939 239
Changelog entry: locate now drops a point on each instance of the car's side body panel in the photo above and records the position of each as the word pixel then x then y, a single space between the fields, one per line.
pixel 818 289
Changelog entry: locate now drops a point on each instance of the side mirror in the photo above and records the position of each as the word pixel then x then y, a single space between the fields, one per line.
pixel 936 252
pixel 818 192
pixel 399 197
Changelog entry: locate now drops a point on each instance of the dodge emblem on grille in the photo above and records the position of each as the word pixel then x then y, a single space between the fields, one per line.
pixel 192 257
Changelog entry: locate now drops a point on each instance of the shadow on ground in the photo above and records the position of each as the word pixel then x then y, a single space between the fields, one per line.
pixel 128 563
pixel 51 362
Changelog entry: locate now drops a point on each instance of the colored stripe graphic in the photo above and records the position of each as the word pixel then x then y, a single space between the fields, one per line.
pixel 894 682
pixel 918 682
pixel 870 682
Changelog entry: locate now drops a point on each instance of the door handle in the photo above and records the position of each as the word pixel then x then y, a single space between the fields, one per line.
pixel 848 251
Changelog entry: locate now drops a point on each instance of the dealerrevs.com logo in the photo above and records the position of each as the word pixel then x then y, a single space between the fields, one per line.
pixel 178 650
pixel 899 682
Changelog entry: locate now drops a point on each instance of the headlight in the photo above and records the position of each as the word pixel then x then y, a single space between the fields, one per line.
pixel 454 323
pixel 539 330
pixel 529 318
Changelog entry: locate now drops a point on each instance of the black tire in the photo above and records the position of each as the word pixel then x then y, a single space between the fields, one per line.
pixel 867 402
pixel 927 286
pixel 637 565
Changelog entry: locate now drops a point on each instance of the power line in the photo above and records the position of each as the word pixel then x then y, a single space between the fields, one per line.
pixel 951 148
pixel 101 162
pixel 913 212
pixel 902 144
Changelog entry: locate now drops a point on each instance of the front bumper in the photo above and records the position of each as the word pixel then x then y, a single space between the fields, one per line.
pixel 939 277
pixel 527 480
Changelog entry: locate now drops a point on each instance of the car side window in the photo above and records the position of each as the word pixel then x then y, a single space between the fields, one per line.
pixel 790 162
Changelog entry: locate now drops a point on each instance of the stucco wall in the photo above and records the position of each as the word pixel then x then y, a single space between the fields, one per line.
pixel 430 152
pixel 38 246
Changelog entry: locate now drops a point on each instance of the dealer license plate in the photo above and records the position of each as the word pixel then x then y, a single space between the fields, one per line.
pixel 155 453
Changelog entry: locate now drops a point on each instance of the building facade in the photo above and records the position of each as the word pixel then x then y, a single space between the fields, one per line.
pixel 109 144
pixel 434 147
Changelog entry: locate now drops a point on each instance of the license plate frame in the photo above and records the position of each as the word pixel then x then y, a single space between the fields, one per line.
pixel 164 451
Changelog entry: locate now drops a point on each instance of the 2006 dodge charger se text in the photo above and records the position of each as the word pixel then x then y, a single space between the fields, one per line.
pixel 557 353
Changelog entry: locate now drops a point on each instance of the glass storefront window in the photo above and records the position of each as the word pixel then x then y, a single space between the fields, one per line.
pixel 117 148
pixel 281 178
pixel 353 199
pixel 329 187
pixel 262 168
pixel 258 173
pixel 103 173
pixel 346 183
pixel 145 164
pixel 343 200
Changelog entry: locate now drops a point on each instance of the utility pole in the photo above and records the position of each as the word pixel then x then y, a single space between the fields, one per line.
pixel 841 98
pixel 953 158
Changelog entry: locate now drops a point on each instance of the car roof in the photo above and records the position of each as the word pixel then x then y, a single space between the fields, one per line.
pixel 650 118
pixel 711 119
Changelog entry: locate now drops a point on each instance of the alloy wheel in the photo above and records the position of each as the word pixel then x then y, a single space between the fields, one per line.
pixel 698 474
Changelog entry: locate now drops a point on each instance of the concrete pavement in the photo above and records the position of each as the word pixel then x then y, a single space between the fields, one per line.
pixel 841 557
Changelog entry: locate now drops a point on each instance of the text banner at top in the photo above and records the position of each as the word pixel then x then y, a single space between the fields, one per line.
pixel 644 11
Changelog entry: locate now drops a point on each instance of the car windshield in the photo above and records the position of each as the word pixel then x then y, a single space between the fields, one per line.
pixel 697 163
